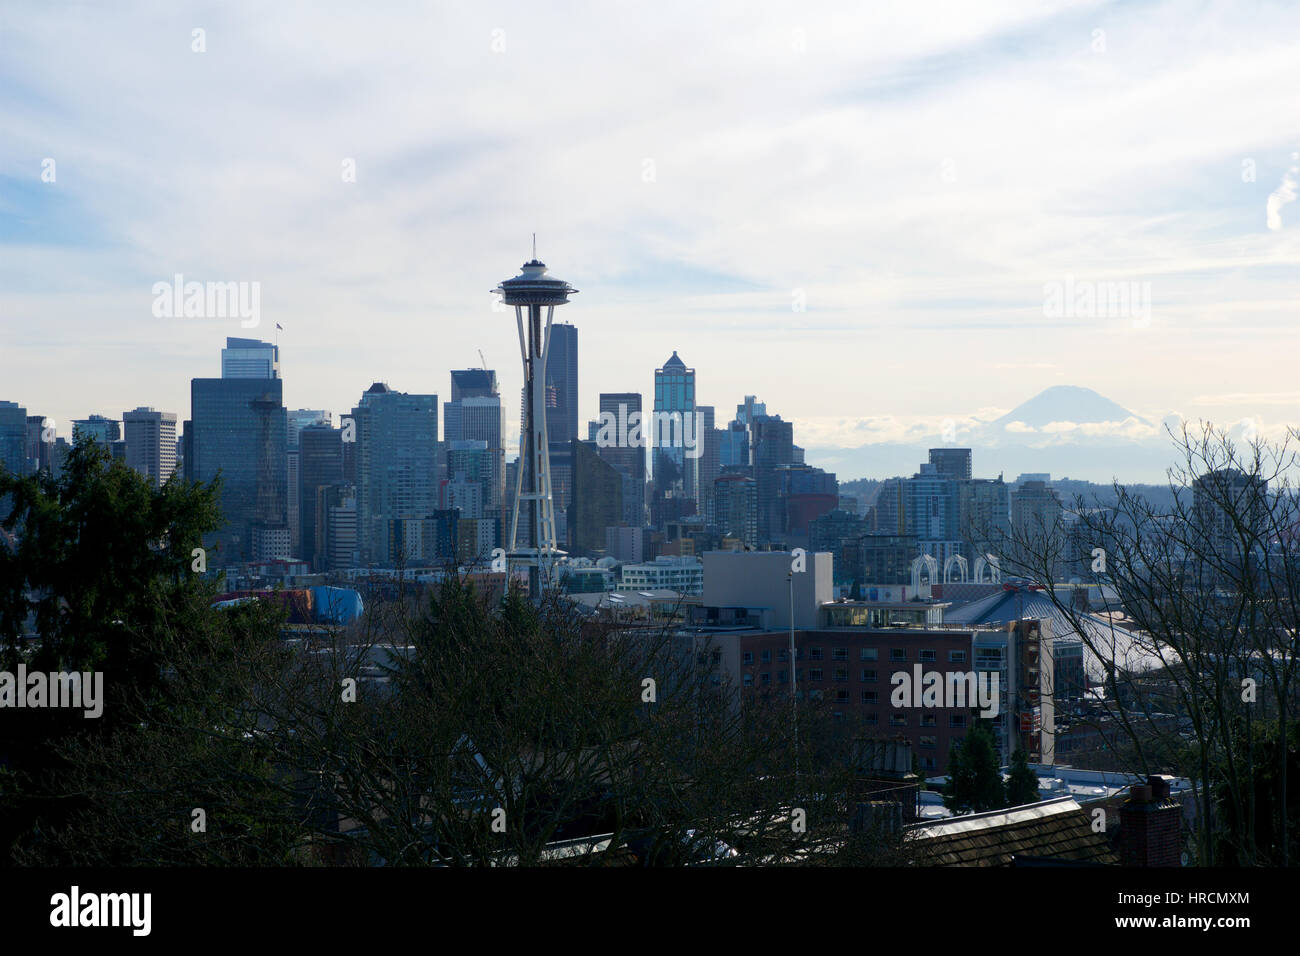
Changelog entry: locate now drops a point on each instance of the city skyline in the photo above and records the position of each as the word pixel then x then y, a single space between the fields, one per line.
pixel 902 288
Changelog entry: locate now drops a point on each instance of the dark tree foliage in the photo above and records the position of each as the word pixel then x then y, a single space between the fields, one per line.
pixel 97 578
pixel 1022 785
pixel 974 778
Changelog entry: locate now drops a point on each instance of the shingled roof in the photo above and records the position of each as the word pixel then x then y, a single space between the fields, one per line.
pixel 1056 830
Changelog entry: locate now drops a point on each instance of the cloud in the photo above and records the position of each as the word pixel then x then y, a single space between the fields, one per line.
pixel 1283 195
pixel 914 173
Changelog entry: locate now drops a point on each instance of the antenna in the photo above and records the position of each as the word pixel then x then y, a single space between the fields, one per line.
pixel 534 245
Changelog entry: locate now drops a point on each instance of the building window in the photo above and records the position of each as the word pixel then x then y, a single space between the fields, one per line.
pixel 783 655
pixel 814 695
pixel 842 673
pixel 898 720
pixel 868 676
pixel 766 657
pixel 841 697
pixel 869 653
pixel 928 763
pixel 838 716
pixel 815 674
pixel 749 680
pixel 929 741
pixel 814 653
pixel 871 720
pixel 840 654
pixel 871 697
pixel 928 720
pixel 748 657
pixel 957 720
pixel 897 654
pixel 765 678
pixel 782 677
pixel 929 656
pixel 957 657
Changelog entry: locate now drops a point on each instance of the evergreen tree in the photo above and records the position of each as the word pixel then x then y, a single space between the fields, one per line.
pixel 1022 787
pixel 974 778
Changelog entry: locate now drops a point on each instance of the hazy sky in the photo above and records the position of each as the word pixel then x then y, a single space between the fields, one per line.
pixel 916 177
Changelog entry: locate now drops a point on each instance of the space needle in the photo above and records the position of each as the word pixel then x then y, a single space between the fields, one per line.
pixel 530 292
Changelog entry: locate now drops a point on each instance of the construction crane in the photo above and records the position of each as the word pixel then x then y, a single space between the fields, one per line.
pixel 482 359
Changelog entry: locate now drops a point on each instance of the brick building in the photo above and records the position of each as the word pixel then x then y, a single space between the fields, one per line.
pixel 853 670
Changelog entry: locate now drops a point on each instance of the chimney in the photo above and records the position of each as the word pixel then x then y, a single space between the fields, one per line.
pixel 1150 825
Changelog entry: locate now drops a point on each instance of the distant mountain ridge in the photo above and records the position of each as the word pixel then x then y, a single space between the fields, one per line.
pixel 1066 403
pixel 1135 452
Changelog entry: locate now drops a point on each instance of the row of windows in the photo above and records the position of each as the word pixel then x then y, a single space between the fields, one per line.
pixel 816 675
pixel 842 654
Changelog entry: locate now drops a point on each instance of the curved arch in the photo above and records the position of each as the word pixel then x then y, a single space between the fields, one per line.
pixel 931 566
pixel 990 562
pixel 958 560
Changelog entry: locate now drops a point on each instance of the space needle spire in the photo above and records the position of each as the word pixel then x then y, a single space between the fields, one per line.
pixel 530 292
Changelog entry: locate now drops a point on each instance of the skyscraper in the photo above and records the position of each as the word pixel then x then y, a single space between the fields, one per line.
pixel 562 385
pixel 626 456
pixel 320 465
pixel 98 428
pixel 771 446
pixel 736 506
pixel 674 471
pixel 151 443
pixel 298 419
pixel 474 414
pixel 397 465
pixel 250 358
pixel 596 502
pixel 13 437
pixel 951 462
pixel 238 429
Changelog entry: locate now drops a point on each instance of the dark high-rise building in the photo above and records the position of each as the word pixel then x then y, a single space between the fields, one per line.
pixel 239 429
pixel 474 414
pixel 13 438
pixel 320 464
pixel 674 409
pixel 397 465
pixel 562 385
pixel 840 533
pixel 473 383
pixel 736 506
pixel 772 445
pixel 951 462
pixel 628 457
pixel 887 558
pixel 38 448
pixel 709 464
pixel 98 428
pixel 596 502
pixel 1230 513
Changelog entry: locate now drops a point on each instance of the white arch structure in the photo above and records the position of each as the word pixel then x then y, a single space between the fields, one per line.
pixel 989 561
pixel 931 566
pixel 958 560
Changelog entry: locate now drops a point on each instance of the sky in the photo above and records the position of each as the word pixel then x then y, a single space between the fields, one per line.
pixel 860 215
